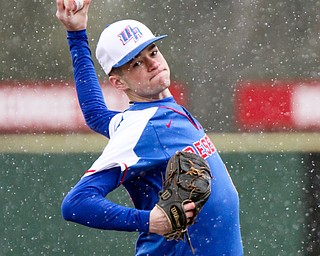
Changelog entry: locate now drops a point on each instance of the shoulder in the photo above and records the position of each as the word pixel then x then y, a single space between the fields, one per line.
pixel 134 120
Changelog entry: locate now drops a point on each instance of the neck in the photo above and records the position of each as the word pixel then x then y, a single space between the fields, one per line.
pixel 138 98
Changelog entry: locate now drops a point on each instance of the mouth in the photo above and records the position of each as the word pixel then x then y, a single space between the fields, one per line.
pixel 157 73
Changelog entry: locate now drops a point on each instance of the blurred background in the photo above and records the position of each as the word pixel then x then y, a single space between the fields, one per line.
pixel 248 70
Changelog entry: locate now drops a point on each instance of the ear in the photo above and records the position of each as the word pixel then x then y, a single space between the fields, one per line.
pixel 117 82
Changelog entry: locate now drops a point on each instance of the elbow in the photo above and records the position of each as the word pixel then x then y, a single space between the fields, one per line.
pixel 97 124
pixel 90 124
pixel 67 209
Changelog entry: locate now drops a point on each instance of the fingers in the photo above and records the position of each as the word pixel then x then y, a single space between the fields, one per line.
pixel 189 206
pixel 73 21
pixel 63 10
pixel 60 5
pixel 60 8
pixel 85 8
pixel 189 211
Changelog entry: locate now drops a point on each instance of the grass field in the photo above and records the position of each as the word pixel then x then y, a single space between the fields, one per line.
pixel 225 142
pixel 272 173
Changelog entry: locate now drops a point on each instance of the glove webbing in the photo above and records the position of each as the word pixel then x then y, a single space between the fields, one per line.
pixel 189 241
pixel 181 235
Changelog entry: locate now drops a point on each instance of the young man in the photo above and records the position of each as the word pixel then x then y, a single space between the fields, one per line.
pixel 141 141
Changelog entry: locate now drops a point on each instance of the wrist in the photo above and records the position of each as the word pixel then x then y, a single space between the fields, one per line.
pixel 144 220
pixel 77 34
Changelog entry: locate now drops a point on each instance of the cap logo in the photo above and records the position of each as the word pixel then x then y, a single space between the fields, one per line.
pixel 129 34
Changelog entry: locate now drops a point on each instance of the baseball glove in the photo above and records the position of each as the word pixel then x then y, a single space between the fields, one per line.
pixel 188 179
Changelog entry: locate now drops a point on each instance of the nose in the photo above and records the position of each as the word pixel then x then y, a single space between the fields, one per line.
pixel 153 64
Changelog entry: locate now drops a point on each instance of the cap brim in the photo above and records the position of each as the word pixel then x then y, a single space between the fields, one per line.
pixel 131 55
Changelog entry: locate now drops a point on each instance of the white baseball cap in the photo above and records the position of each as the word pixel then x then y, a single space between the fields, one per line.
pixel 122 41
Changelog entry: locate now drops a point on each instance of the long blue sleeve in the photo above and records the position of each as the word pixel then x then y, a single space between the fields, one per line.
pixel 90 96
pixel 86 204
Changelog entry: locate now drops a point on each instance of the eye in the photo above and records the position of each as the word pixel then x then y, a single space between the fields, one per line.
pixel 137 64
pixel 155 52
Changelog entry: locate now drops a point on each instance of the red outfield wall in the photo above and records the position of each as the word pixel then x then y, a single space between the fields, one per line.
pixel 51 107
pixel 276 106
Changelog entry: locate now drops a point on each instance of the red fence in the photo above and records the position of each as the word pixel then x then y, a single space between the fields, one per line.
pixel 275 106
pixel 52 107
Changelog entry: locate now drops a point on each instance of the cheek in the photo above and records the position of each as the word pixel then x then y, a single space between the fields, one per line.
pixel 134 81
pixel 138 77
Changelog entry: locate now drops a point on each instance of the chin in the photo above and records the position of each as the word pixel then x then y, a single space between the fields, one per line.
pixel 165 82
